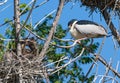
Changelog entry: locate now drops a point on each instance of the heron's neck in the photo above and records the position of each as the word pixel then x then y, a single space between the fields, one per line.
pixel 73 24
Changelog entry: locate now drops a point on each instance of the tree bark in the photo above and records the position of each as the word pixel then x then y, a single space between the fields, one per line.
pixel 17 27
pixel 18 78
pixel 115 33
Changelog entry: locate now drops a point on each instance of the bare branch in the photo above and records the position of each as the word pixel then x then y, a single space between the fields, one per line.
pixel 28 15
pixel 27 6
pixel 44 19
pixel 23 10
pixel 75 42
pixel 106 77
pixel 45 1
pixel 65 40
pixel 116 70
pixel 107 18
pixel 96 58
pixel 34 33
pixel 112 27
pixel 46 45
pixel 70 61
pixel 1 3
pixel 65 58
pixel 107 71
pixel 5 7
pixel 107 65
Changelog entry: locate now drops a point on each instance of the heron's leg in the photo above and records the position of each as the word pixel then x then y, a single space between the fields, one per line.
pixel 79 40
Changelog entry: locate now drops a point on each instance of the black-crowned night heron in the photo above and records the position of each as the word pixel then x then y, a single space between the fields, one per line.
pixel 86 29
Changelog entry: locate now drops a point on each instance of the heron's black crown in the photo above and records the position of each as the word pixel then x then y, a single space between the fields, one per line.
pixel 71 22
pixel 85 22
pixel 82 22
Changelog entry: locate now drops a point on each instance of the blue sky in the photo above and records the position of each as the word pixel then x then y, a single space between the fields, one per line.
pixel 68 13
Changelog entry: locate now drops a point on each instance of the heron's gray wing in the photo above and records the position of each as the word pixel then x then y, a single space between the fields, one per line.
pixel 85 22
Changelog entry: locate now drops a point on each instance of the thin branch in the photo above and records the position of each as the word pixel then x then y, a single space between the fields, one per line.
pixel 71 61
pixel 3 39
pixel 65 58
pixel 34 8
pixel 5 1
pixel 46 45
pixel 44 18
pixel 101 46
pixel 45 1
pixel 34 33
pixel 107 65
pixel 112 27
pixel 106 77
pixel 96 58
pixel 114 42
pixel 107 18
pixel 75 42
pixel 5 23
pixel 45 75
pixel 51 43
pixel 107 71
pixel 92 66
pixel 116 70
pixel 27 6
pixel 29 14
pixel 64 40
pixel 5 7
pixel 118 63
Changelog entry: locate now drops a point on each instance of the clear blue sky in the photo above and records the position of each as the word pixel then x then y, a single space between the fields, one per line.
pixel 68 13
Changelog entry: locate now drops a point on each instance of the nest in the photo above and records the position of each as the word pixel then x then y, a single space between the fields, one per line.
pixel 102 4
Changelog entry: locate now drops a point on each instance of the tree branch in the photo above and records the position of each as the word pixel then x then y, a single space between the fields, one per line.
pixel 107 65
pixel 34 1
pixel 23 10
pixel 3 2
pixel 71 60
pixel 46 45
pixel 17 26
pixel 111 25
pixel 44 18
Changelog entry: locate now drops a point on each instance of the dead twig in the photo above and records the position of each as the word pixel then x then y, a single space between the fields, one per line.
pixel 70 61
pixel 1 3
pixel 44 18
pixel 107 65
